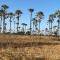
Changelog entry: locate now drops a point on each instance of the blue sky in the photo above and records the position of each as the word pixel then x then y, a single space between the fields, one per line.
pixel 47 6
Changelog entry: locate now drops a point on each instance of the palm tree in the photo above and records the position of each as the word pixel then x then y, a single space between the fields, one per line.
pixel 30 10
pixel 57 13
pixel 51 19
pixel 39 17
pixel 1 12
pixel 18 14
pixel 11 16
pixel 4 7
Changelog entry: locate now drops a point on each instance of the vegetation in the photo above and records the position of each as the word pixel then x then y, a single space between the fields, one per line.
pixel 36 22
pixel 31 44
pixel 23 47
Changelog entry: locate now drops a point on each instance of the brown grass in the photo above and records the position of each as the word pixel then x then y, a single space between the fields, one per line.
pixel 47 49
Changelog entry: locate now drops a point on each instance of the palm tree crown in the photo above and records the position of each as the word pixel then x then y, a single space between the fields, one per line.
pixel 18 12
pixel 57 13
pixel 51 17
pixel 31 10
pixel 10 14
pixel 40 14
pixel 1 12
pixel 4 7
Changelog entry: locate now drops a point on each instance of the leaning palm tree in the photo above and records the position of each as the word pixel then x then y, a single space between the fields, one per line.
pixel 11 16
pixel 18 14
pixel 4 7
pixel 30 10
pixel 39 17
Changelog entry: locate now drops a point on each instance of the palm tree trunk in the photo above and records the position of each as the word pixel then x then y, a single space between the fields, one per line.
pixel 17 24
pixel 51 28
pixel 17 27
pixel 4 24
pixel 30 23
pixel 33 26
pixel 25 29
pixel 14 26
pixel 10 24
pixel 58 30
pixel 1 24
pixel 39 28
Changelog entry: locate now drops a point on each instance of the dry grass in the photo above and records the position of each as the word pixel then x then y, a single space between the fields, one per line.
pixel 22 38
pixel 45 51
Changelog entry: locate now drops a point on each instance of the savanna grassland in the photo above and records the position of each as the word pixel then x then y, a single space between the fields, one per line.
pixel 21 47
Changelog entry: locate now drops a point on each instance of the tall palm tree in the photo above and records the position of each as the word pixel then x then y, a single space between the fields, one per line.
pixel 1 12
pixel 11 16
pixel 57 13
pixel 30 10
pixel 39 17
pixel 4 7
pixel 51 19
pixel 18 14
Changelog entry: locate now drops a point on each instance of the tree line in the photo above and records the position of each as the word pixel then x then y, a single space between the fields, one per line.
pixel 36 21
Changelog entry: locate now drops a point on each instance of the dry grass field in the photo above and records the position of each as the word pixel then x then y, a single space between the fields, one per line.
pixel 16 47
